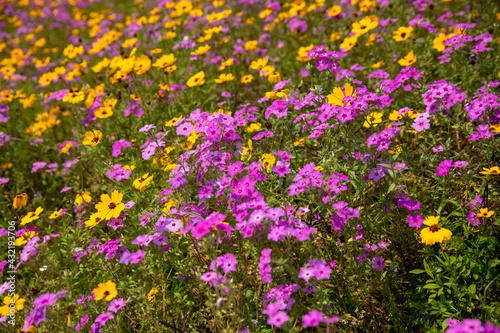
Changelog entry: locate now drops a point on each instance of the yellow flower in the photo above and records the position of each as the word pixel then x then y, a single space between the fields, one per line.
pixel 484 212
pixel 259 63
pixel 152 294
pixel 165 61
pixel 110 207
pixel 224 78
pixel 349 43
pixel 105 290
pixel 251 45
pixel 94 220
pixel 31 216
pixel 395 116
pixel 74 96
pixel 378 64
pixel 373 119
pixel 408 60
pixel 143 182
pixel 66 148
pixel 403 33
pixel 247 151
pixel 92 138
pixel 334 10
pixel 492 171
pixel 56 214
pixel 274 77
pixel 299 142
pixel 201 50
pixel 20 200
pixel 25 238
pixel 335 36
pixel 18 305
pixel 71 52
pixel 252 128
pixel 434 234
pixel 268 160
pixel 247 79
pixel 196 80
pixel 363 26
pixel 103 112
pixel 80 197
pixel 136 97
pixel 337 96
pixel 142 64
pixel 438 42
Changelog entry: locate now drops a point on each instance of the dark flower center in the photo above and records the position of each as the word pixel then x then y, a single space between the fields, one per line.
pixel 112 205
pixel 434 228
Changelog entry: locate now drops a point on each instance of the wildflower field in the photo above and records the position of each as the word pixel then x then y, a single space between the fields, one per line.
pixel 250 166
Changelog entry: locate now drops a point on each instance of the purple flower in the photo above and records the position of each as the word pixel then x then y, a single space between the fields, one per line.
pixel 4 180
pixel 137 256
pixel 378 263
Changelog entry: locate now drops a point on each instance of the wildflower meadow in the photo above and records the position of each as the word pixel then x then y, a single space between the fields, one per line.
pixel 250 166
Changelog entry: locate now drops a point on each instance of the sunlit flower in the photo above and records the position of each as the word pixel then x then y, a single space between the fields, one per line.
pixel 403 33
pixel 337 96
pixel 83 196
pixel 224 78
pixel 105 290
pixel 18 305
pixel 31 216
pixel 152 294
pixel 20 200
pixel 373 119
pixel 92 138
pixel 408 60
pixel 434 234
pixel 484 212
pixel 110 207
pixel 143 182
pixel 196 80
pixel 492 171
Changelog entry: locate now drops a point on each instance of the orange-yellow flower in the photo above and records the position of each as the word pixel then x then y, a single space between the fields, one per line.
pixel 403 33
pixel 434 234
pixel 196 80
pixel 337 96
pixel 408 60
pixel 92 138
pixel 224 78
pixel 105 290
pixel 110 207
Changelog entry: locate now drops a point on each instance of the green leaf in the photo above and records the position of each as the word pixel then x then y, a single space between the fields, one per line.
pixel 432 286
pixel 472 289
pixel 417 271
pixel 391 188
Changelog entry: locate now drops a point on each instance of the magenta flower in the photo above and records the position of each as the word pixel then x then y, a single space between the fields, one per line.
pixel 415 220
pixel 313 318
pixel 378 263
pixel 278 319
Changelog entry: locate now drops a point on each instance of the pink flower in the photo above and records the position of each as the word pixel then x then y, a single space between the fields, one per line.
pixel 313 318
pixel 278 319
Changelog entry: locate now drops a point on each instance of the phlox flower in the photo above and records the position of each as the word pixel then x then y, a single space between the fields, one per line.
pixel 278 319
pixel 378 263
pixel 313 318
